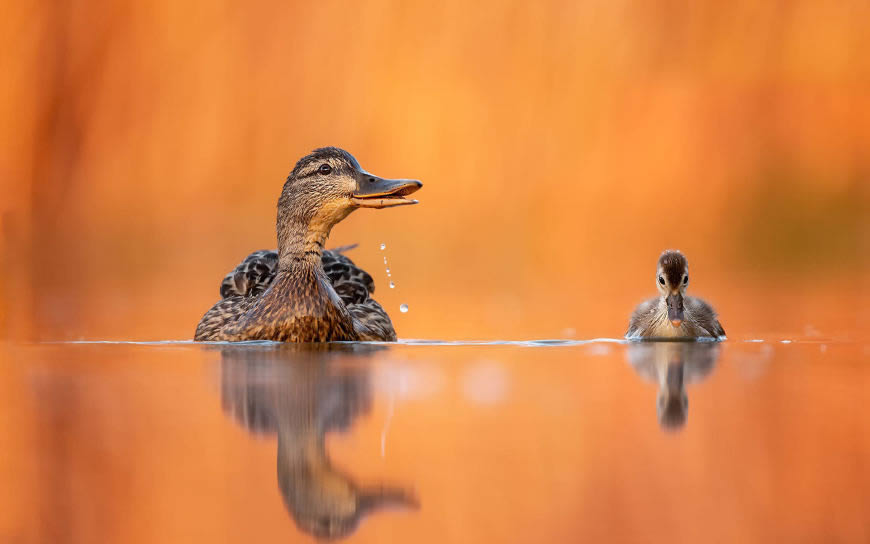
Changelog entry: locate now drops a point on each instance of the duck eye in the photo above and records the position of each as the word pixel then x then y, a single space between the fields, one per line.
pixel 686 280
pixel 324 169
pixel 661 280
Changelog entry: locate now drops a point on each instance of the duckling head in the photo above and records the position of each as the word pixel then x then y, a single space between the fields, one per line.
pixel 672 279
pixel 327 185
pixel 673 409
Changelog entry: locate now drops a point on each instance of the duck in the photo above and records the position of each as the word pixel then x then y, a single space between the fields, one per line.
pixel 673 366
pixel 302 292
pixel 673 314
pixel 302 393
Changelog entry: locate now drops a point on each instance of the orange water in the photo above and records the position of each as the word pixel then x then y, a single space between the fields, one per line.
pixel 496 443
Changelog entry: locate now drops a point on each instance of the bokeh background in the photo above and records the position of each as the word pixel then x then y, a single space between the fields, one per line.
pixel 562 146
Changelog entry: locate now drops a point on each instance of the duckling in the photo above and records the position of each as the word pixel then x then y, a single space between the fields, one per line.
pixel 673 314
pixel 287 295
pixel 673 366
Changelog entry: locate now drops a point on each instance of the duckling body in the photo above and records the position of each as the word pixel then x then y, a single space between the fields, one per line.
pixel 650 319
pixel 673 366
pixel 287 295
pixel 673 314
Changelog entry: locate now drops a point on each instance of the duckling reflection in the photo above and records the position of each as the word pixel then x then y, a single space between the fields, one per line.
pixel 673 365
pixel 301 392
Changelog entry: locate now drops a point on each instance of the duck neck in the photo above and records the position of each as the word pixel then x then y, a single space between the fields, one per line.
pixel 303 228
pixel 300 245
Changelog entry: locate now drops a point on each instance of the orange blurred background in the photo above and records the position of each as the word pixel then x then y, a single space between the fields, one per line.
pixel 562 146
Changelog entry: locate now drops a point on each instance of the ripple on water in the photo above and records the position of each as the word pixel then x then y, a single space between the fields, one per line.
pixel 540 342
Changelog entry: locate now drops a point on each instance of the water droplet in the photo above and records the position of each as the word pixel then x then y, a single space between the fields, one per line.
pixel 392 285
pixel 403 308
pixel 383 247
pixel 385 260
pixel 388 271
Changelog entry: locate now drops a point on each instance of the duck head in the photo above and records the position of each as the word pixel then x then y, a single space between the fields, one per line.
pixel 324 188
pixel 672 279
pixel 328 504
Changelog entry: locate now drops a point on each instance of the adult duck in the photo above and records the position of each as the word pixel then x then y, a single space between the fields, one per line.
pixel 302 293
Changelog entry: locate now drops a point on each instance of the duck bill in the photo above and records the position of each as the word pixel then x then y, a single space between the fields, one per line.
pixel 675 309
pixel 375 192
pixel 378 497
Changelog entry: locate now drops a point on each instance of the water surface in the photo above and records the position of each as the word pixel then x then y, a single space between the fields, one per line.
pixel 426 442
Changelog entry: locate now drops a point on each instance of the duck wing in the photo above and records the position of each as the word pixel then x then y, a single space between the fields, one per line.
pixel 372 322
pixel 355 287
pixel 705 317
pixel 353 284
pixel 257 271
pixel 252 276
pixel 643 319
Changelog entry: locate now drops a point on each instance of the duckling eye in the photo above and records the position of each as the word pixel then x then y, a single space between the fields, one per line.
pixel 324 169
pixel 686 280
pixel 661 280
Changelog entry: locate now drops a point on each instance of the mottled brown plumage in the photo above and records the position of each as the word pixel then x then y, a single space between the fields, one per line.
pixel 673 314
pixel 255 274
pixel 302 293
pixel 302 393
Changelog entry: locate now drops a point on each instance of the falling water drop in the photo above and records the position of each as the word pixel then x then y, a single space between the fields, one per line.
pixel 392 285
pixel 385 260
pixel 403 308
pixel 388 271
pixel 383 247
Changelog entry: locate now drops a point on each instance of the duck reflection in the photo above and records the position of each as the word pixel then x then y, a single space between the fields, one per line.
pixel 673 366
pixel 301 392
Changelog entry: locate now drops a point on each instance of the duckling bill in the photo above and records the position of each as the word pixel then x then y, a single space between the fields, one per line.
pixel 673 366
pixel 301 292
pixel 673 314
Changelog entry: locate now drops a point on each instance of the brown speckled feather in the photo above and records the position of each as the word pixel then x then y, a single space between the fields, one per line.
pixel 255 274
pixel 249 289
